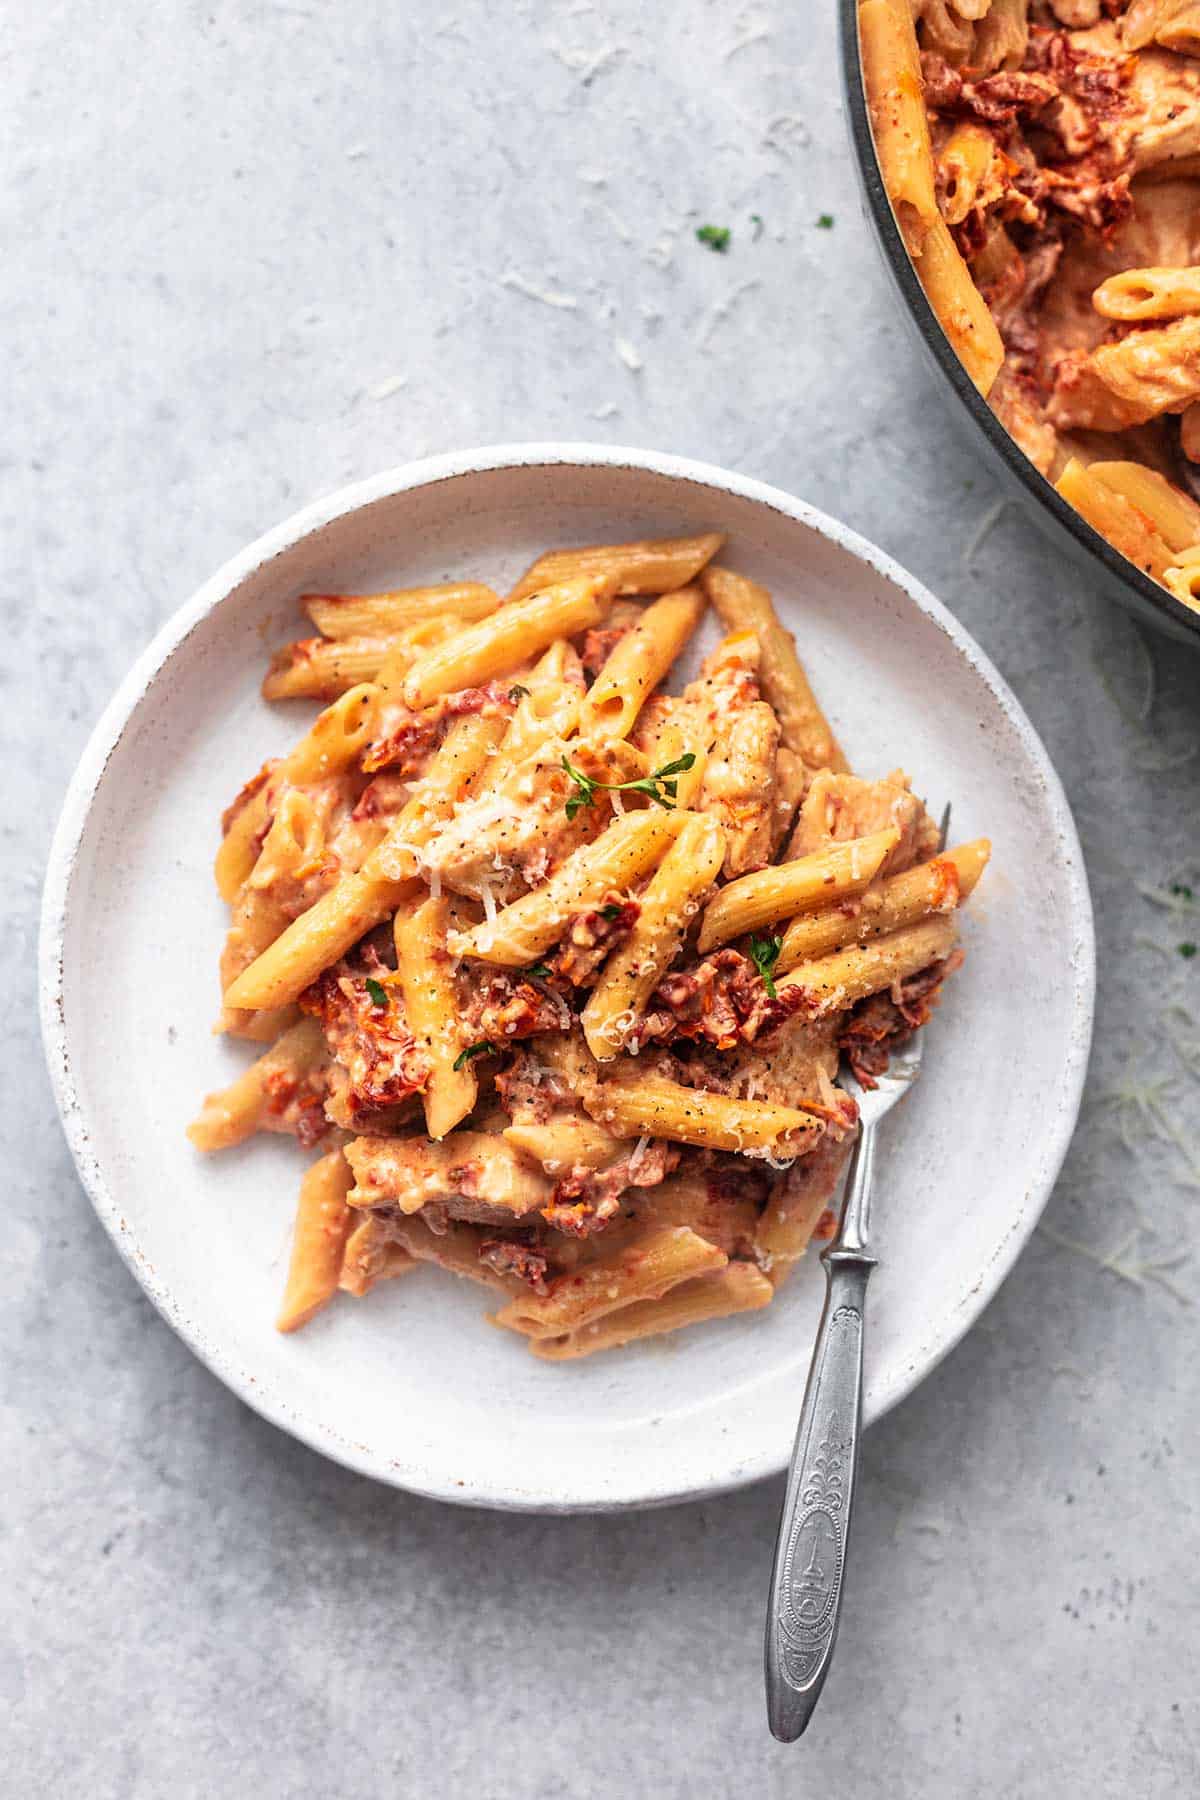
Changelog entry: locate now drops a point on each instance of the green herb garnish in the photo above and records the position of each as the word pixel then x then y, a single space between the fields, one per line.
pixel 660 786
pixel 764 954
pixel 377 992
pixel 1188 950
pixel 1182 890
pixel 517 692
pixel 540 970
pixel 472 1050
pixel 825 222
pixel 756 221
pixel 715 236
pixel 610 911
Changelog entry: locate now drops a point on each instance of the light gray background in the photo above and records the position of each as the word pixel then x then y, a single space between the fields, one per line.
pixel 253 251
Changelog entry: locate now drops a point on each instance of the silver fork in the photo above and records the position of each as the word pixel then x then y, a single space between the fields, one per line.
pixel 810 1551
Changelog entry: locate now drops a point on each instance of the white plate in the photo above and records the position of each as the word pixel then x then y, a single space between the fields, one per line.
pixel 411 1385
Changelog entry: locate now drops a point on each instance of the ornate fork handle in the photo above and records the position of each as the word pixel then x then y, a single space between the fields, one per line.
pixel 810 1555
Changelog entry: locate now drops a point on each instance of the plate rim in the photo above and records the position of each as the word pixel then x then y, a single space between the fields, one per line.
pixel 109 729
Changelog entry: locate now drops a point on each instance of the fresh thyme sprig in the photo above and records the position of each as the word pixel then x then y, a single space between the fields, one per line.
pixel 660 786
pixel 764 954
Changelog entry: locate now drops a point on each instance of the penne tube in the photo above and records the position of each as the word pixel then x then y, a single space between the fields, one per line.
pixel 743 605
pixel 831 983
pixel 234 1113
pixel 365 897
pixel 609 864
pixel 1137 294
pixel 510 637
pixel 1174 516
pixel 646 1266
pixel 456 1249
pixel 322 668
pixel 334 743
pixel 371 1254
pixel 257 922
pixel 570 1141
pixel 322 1226
pixel 648 567
pixel 933 887
pixel 431 1008
pixel 634 1104
pixel 964 164
pixel 638 662
pixel 784 889
pixel 671 899
pixel 891 66
pixel 1115 518
pixel 379 615
pixel 961 309
pixel 738 1288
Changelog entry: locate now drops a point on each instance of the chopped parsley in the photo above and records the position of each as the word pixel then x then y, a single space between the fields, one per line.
pixel 540 970
pixel 660 786
pixel 517 692
pixel 472 1050
pixel 1182 890
pixel 610 911
pixel 715 236
pixel 825 222
pixel 764 954
pixel 1188 950
pixel 377 992
pixel 756 221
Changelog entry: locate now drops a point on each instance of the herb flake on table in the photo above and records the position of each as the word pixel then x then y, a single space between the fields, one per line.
pixel 717 237
pixel 824 221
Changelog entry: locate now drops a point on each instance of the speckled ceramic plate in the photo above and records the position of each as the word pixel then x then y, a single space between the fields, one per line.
pixel 411 1385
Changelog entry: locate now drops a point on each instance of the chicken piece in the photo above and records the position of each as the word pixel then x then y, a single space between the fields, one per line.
pixel 472 1175
pixel 740 777
pixel 517 832
pixel 839 808
pixel 1164 102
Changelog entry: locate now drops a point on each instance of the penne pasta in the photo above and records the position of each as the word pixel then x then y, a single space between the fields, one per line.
pixel 737 1288
pixel 892 73
pixel 323 1222
pixel 669 902
pixel 743 605
pixel 1173 515
pixel 321 668
pixel 570 1141
pixel 610 864
pixel 900 900
pixel 647 1266
pixel 263 1092
pixel 430 1005
pixel 1137 294
pixel 1125 526
pixel 380 615
pixel 499 644
pixel 632 1103
pixel 639 662
pixel 651 566
pixel 779 892
pixel 337 738
pixel 832 983
pixel 371 1254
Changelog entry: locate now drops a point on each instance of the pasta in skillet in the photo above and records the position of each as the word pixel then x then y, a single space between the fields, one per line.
pixel 558 967
pixel 1042 158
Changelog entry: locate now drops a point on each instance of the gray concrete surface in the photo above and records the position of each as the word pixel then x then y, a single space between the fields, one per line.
pixel 252 251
